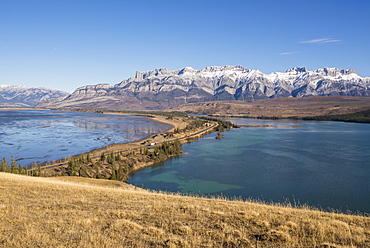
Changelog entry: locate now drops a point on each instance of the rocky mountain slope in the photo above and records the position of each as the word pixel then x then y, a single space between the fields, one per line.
pixel 162 88
pixel 22 96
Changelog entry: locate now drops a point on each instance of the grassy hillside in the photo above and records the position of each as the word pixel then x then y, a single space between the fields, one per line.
pixel 81 212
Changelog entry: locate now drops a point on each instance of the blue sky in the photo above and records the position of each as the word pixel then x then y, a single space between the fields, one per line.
pixel 65 44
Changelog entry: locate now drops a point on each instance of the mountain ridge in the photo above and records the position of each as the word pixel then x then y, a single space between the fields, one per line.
pixel 162 88
pixel 23 96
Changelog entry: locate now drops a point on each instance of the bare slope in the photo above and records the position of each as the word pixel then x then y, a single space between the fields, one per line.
pixel 47 212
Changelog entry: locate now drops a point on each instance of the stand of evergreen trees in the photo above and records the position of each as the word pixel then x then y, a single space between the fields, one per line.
pixel 117 166
pixel 114 166
pixel 222 125
pixel 13 168
pixel 360 117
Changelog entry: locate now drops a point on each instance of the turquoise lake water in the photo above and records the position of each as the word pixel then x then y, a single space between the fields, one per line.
pixel 45 135
pixel 322 164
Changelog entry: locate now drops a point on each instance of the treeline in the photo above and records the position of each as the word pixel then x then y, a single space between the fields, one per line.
pixel 18 169
pixel 361 117
pixel 117 166
pixel 198 122
pixel 113 166
pixel 12 168
pixel 193 123
pixel 222 125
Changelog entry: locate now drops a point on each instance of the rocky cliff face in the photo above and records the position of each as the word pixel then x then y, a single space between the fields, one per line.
pixel 22 96
pixel 162 88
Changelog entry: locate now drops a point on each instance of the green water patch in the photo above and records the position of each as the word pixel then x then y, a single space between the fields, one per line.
pixel 193 185
pixel 309 164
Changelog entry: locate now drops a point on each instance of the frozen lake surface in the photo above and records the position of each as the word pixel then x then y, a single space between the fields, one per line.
pixel 45 135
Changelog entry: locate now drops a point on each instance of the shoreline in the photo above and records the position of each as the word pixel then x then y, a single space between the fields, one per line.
pixel 150 142
pixel 88 211
pixel 155 138
pixel 177 121
pixel 158 138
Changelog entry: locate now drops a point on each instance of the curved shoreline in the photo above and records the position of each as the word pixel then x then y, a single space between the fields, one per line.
pixel 84 147
pixel 151 141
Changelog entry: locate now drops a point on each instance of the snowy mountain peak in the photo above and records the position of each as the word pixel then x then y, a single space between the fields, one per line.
pixel 186 70
pixel 348 71
pixel 163 88
pixel 334 72
pixel 223 68
pixel 155 72
pixel 5 86
pixel 23 96
pixel 297 70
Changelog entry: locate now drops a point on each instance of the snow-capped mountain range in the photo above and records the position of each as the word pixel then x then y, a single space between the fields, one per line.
pixel 22 96
pixel 162 88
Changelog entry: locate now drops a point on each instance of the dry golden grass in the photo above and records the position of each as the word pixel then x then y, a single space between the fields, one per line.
pixel 80 212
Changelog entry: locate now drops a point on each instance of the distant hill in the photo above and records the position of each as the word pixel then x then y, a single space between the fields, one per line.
pixel 162 88
pixel 22 96
pixel 280 107
pixel 361 116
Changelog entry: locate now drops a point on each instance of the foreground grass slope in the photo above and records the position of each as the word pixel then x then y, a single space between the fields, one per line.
pixel 81 212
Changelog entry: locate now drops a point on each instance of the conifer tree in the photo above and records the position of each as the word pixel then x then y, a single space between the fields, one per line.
pixel 88 158
pixel 102 157
pixel 14 166
pixel 4 165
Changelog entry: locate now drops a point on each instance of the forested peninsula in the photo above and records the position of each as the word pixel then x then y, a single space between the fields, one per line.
pixel 116 162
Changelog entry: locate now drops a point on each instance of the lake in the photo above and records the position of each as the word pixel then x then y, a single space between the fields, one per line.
pixel 322 164
pixel 47 135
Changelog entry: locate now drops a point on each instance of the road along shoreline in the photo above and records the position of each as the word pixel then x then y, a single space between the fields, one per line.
pixel 184 129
